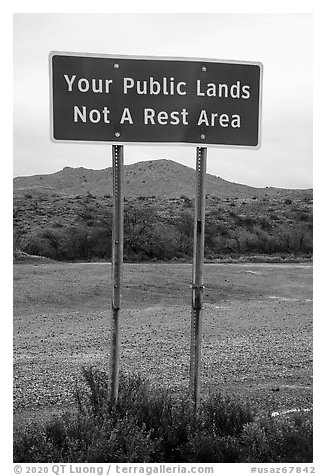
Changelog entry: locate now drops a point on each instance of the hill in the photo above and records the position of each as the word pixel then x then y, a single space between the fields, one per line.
pixel 68 215
pixel 160 178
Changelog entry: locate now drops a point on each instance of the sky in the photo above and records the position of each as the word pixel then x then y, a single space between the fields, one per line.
pixel 282 42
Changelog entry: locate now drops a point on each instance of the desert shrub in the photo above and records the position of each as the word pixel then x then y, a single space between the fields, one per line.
pixel 155 230
pixel 246 221
pixel 184 229
pixel 18 236
pixel 265 223
pixel 100 242
pixel 304 215
pixel 34 244
pixel 164 242
pixel 187 202
pixel 278 439
pixel 138 229
pixel 54 242
pixel 299 239
pixel 88 214
pixel 123 443
pixel 264 242
pixel 203 448
pixel 222 415
pixel 214 230
pixel 150 424
pixel 154 411
pixel 248 242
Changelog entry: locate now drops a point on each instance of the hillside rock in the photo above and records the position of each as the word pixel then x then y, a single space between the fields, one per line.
pixel 160 178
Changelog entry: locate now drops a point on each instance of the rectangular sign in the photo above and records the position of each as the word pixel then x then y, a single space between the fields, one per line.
pixel 145 100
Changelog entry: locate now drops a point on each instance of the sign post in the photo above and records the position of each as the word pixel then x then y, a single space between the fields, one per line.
pixel 197 276
pixel 117 260
pixel 155 100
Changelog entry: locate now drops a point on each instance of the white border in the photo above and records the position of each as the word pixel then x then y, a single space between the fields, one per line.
pixel 156 58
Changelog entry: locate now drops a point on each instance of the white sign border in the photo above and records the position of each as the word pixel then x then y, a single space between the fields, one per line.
pixel 155 58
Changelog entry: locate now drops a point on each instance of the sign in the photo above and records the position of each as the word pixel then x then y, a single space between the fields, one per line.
pixel 147 100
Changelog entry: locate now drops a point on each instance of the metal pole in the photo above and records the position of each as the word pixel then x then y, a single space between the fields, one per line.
pixel 117 260
pixel 197 276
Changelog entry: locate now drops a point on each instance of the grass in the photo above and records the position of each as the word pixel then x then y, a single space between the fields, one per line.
pixel 152 425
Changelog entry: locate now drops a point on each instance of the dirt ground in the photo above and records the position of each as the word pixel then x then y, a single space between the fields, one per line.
pixel 257 330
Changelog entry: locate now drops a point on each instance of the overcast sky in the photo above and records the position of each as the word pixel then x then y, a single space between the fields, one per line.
pixel 282 42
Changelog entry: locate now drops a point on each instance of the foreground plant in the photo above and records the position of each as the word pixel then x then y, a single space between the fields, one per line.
pixel 152 425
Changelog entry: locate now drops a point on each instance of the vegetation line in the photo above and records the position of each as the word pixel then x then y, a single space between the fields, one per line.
pixel 153 425
pixel 80 228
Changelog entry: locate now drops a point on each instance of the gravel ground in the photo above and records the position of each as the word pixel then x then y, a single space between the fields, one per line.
pixel 257 331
